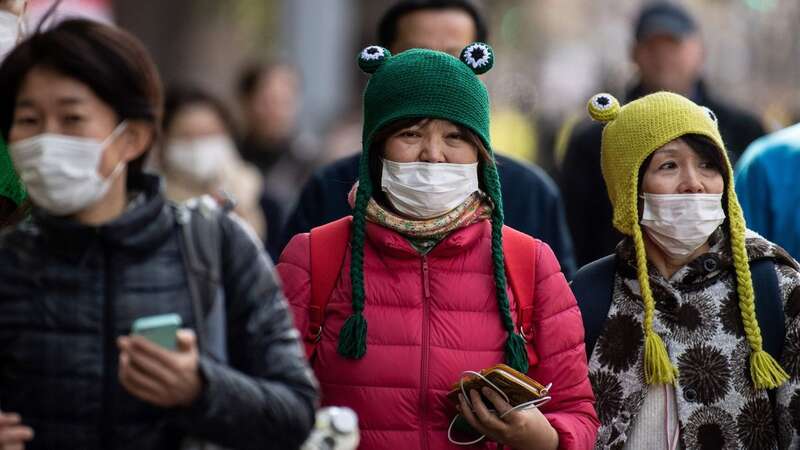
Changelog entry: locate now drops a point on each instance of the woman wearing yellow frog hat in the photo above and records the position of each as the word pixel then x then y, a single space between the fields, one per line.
pixel 692 325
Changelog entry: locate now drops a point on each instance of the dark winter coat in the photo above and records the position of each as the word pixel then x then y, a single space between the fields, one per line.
pixel 67 291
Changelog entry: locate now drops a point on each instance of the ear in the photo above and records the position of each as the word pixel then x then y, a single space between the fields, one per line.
pixel 138 137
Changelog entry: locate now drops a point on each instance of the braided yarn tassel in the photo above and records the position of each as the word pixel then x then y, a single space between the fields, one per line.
pixel 765 372
pixel 353 335
pixel 516 355
pixel 658 369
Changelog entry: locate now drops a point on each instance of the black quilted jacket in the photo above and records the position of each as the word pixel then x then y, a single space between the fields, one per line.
pixel 68 290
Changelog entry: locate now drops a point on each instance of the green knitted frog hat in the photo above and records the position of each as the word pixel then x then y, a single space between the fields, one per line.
pixel 10 184
pixel 422 83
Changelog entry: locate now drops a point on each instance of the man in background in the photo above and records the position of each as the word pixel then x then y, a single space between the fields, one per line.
pixel 668 52
pixel 270 97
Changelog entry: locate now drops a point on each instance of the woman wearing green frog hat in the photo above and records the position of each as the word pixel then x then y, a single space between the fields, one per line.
pixel 699 342
pixel 428 283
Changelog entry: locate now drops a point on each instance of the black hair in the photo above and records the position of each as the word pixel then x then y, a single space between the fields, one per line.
pixel 110 61
pixel 387 28
pixel 253 72
pixel 704 147
pixel 180 95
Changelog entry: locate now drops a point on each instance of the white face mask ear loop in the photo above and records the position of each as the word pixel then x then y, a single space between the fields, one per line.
pixel 121 127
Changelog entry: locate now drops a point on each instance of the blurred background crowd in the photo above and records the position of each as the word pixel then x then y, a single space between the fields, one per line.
pixel 282 78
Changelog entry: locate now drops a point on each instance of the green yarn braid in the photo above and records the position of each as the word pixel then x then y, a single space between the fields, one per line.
pixel 516 354
pixel 353 336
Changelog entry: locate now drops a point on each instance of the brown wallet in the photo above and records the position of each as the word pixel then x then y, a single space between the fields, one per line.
pixel 519 387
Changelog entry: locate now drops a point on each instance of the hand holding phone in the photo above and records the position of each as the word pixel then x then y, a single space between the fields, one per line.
pixel 161 329
pixel 152 372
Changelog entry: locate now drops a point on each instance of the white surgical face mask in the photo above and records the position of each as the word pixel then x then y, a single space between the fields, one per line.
pixel 424 190
pixel 60 172
pixel 202 159
pixel 9 32
pixel 681 223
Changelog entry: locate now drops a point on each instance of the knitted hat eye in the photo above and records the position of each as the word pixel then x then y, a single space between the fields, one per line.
pixel 478 56
pixel 710 114
pixel 372 57
pixel 603 107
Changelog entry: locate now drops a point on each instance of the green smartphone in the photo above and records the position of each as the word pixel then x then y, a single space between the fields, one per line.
pixel 161 329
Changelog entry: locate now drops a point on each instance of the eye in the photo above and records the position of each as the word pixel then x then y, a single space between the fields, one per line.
pixel 25 120
pixel 710 114
pixel 477 55
pixel 602 102
pixel 73 118
pixel 455 135
pixel 667 165
pixel 707 165
pixel 408 133
pixel 372 53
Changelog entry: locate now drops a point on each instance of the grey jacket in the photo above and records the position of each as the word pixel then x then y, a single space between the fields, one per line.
pixel 68 290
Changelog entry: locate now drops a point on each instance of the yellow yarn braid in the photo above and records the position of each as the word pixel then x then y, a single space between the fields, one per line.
pixel 765 372
pixel 658 369
pixel 632 133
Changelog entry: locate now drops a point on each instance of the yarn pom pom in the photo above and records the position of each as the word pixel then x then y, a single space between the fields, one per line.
pixel 603 107
pixel 478 56
pixel 372 57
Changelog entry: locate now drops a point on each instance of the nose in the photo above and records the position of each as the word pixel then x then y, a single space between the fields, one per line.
pixel 691 183
pixel 432 150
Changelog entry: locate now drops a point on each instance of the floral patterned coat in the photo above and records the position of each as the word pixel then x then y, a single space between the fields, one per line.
pixel 697 314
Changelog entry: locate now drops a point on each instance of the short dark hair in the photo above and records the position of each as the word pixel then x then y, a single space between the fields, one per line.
pixel 110 61
pixel 181 95
pixel 387 28
pixel 253 72
pixel 704 147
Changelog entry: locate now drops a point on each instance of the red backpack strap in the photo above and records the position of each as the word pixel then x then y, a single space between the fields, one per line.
pixel 520 250
pixel 328 249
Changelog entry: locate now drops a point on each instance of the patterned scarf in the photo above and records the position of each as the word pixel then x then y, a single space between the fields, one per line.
pixel 424 234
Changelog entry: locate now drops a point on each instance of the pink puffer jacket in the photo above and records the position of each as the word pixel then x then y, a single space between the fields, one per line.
pixel 430 318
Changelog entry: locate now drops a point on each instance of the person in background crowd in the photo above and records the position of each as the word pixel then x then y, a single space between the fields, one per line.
pixel 766 184
pixel 425 268
pixel 199 155
pixel 13 205
pixel 269 95
pixel 686 352
pixel 668 52
pixel 81 109
pixel 532 202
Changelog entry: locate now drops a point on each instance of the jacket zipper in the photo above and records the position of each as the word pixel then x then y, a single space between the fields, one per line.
pixel 425 353
pixel 109 355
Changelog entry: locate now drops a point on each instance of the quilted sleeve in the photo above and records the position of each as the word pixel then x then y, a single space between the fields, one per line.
pixel 558 340
pixel 265 395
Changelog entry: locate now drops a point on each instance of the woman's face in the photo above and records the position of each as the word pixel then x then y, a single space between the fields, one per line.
pixel 196 121
pixel 676 168
pixel 432 141
pixel 49 102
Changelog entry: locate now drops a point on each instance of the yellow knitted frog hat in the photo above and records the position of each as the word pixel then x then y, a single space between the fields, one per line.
pixel 631 134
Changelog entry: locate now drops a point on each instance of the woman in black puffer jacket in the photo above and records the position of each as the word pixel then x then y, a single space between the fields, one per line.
pixel 80 109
